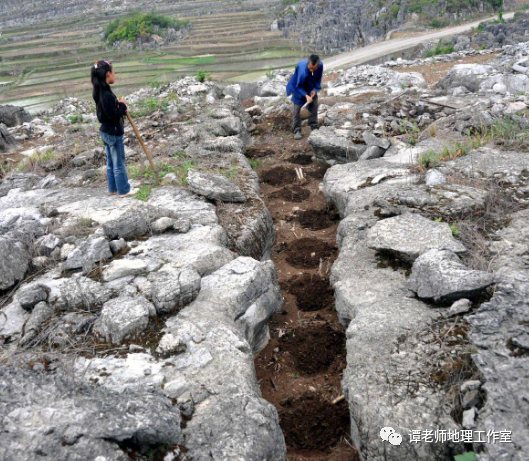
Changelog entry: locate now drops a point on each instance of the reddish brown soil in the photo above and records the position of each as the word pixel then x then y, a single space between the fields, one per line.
pixel 317 219
pixel 300 159
pixel 300 370
pixel 309 252
pixel 312 291
pixel 278 176
pixel 293 193
pixel 255 152
pixel 312 422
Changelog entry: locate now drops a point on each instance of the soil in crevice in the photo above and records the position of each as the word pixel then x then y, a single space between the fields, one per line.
pixel 300 370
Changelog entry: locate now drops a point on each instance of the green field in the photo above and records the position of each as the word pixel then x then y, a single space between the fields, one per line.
pixel 40 64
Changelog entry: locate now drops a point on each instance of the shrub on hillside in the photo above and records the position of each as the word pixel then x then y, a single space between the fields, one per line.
pixel 137 25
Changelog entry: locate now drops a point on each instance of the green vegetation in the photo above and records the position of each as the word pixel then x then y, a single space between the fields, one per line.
pixel 253 163
pixel 439 23
pixel 144 193
pixel 202 76
pixel 439 49
pixel 467 456
pixel 139 25
pixel 506 129
pixel 148 106
pixel 77 118
pixel 289 2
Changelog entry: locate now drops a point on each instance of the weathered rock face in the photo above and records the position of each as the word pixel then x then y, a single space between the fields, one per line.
pixel 411 235
pixel 214 187
pixel 123 318
pixel 331 147
pixel 13 115
pixel 440 275
pixel 7 141
pixel 161 281
pixel 59 418
pixel 13 262
pixel 342 25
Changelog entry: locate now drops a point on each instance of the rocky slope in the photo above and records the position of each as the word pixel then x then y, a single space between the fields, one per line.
pixel 152 309
pixel 340 25
pixel 431 185
pixel 157 306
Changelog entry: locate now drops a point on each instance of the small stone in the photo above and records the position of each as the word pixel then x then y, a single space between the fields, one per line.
pixel 521 341
pixel 371 140
pixel 435 178
pixel 471 399
pixel 469 417
pixel 162 224
pixel 470 385
pixel 372 152
pixel 123 268
pixel 461 306
pixel 118 245
pixel 30 296
pixel 66 249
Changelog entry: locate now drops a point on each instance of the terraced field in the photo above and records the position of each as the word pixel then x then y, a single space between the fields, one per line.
pixel 41 63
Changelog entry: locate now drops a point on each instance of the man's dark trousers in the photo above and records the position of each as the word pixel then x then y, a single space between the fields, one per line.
pixel 313 119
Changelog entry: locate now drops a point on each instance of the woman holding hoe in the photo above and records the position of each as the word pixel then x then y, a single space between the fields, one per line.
pixel 110 111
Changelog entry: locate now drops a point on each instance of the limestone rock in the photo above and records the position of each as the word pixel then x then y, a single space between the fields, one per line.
pixel 56 417
pixel 410 235
pixel 40 314
pixel 371 153
pixel 7 141
pixel 441 276
pixel 371 140
pixel 330 147
pixel 14 262
pixel 89 252
pixel 31 295
pixel 12 115
pixel 214 187
pixel 174 289
pixel 123 318
pixel 124 267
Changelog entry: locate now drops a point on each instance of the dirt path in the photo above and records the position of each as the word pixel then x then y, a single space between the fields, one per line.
pixel 381 49
pixel 301 368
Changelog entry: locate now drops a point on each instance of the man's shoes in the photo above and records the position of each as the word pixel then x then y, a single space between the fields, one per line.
pixel 312 128
pixel 297 135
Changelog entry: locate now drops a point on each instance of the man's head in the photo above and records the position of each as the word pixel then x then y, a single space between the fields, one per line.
pixel 313 62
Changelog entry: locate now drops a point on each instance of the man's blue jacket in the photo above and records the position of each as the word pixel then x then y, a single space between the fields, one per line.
pixel 303 82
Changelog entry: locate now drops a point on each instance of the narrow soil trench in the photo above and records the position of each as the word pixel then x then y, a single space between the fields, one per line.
pixel 300 370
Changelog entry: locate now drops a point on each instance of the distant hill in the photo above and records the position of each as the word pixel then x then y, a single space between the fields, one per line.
pixel 339 25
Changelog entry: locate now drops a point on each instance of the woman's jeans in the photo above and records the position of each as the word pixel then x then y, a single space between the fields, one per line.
pixel 116 172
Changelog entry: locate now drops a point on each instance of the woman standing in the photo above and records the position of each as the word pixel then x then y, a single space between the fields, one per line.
pixel 110 111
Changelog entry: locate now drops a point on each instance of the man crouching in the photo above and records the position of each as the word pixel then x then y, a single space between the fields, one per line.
pixel 304 86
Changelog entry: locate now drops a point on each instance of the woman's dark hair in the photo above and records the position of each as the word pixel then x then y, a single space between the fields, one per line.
pixel 99 82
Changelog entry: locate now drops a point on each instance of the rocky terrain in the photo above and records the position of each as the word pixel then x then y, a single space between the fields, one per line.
pixel 340 25
pixel 383 284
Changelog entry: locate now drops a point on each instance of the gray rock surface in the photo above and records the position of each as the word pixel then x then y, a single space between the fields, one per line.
pixel 88 253
pixel 14 262
pixel 174 289
pixel 331 147
pixel 7 141
pixel 410 235
pixel 13 115
pixel 372 152
pixel 123 318
pixel 40 314
pixel 439 275
pixel 371 140
pixel 60 419
pixel 31 295
pixel 214 187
